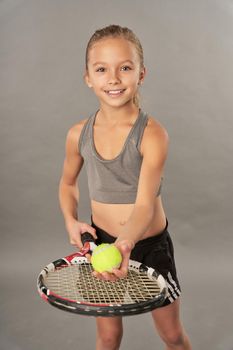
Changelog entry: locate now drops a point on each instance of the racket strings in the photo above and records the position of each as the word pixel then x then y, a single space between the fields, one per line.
pixel 76 282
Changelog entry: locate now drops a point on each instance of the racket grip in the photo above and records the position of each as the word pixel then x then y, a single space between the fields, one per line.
pixel 87 237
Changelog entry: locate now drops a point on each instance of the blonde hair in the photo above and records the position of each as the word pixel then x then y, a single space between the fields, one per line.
pixel 116 31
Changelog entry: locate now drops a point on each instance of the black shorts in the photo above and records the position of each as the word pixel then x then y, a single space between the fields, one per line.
pixel 157 252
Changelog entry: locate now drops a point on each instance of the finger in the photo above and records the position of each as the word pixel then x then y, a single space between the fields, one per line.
pixel 78 244
pixel 88 256
pixel 120 273
pixel 105 276
pixel 109 276
pixel 124 263
pixel 96 274
pixel 123 270
pixel 90 229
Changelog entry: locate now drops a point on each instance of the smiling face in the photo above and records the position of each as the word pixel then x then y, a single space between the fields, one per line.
pixel 114 71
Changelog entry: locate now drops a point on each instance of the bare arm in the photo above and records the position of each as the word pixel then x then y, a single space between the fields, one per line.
pixel 68 189
pixel 155 147
pixel 154 150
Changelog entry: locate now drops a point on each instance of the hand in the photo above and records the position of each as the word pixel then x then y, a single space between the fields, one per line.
pixel 125 246
pixel 75 229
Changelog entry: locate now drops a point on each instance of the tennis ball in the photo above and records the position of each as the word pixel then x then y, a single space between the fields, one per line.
pixel 105 257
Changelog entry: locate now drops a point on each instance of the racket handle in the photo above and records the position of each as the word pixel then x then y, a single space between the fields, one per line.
pixel 87 237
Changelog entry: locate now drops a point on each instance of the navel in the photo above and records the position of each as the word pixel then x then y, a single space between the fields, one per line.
pixel 122 223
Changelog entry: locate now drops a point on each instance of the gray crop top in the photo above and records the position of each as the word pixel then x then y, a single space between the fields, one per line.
pixel 113 180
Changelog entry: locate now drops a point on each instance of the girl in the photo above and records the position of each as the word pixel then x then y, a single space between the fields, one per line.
pixel 124 152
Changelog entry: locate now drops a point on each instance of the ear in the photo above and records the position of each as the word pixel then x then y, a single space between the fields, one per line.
pixel 87 80
pixel 142 75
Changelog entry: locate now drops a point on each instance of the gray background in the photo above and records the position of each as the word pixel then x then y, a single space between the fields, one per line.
pixel 189 88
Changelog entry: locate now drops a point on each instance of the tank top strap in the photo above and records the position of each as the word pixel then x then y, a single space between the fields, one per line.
pixel 86 132
pixel 139 129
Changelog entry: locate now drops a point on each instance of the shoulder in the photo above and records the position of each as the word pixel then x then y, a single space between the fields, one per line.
pixel 155 136
pixel 155 128
pixel 76 129
pixel 73 134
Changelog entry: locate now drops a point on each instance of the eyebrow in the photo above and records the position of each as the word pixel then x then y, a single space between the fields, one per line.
pixel 97 63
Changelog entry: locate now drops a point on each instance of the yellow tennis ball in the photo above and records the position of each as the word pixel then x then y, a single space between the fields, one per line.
pixel 105 258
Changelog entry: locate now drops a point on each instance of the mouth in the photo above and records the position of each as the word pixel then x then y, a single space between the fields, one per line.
pixel 114 92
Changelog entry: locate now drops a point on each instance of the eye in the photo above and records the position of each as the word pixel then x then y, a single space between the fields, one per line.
pixel 125 68
pixel 100 69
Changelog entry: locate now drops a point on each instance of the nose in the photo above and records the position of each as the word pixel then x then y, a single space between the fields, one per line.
pixel 113 77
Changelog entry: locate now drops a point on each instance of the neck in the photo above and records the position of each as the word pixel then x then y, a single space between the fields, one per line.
pixel 113 115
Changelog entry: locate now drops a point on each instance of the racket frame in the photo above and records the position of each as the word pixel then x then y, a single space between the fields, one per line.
pixel 99 309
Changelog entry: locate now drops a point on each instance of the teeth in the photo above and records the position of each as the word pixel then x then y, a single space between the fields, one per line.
pixel 114 92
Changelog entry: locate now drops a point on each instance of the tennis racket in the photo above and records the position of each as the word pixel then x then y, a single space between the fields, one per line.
pixel 69 284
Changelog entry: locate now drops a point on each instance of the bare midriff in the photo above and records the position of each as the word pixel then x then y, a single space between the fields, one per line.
pixel 106 216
